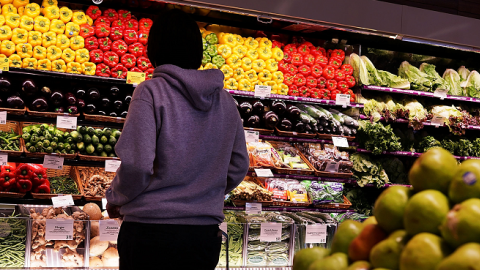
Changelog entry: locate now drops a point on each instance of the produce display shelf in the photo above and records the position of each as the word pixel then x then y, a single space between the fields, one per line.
pixel 428 123
pixel 31 201
pixel 295 139
pixel 411 154
pixel 389 185
pixel 66 162
pixel 309 177
pixel 294 99
pixel 48 120
pixel 295 209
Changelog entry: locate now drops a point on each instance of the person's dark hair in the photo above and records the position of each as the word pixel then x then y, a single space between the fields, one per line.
pixel 175 39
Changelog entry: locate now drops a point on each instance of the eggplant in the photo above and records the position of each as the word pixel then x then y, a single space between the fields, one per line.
pixel 93 94
pixel 320 129
pixel 72 109
pixel 60 110
pixel 253 121
pixel 39 104
pixel 70 99
pixel 293 112
pixel 308 128
pixel 327 130
pixel 105 102
pixel 258 107
pixel 127 100
pixel 270 119
pixel 314 129
pixel 90 108
pixel 80 93
pixel 101 113
pixel 80 103
pixel 124 114
pixel 279 107
pixel 57 97
pixel 15 102
pixel 113 114
pixel 245 109
pixel 5 85
pixel 29 87
pixel 118 104
pixel 114 91
pixel 299 127
pixel 46 91
pixel 285 125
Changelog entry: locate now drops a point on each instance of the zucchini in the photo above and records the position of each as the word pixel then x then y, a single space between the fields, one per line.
pixel 338 118
pixel 311 120
pixel 327 113
pixel 305 118
pixel 312 111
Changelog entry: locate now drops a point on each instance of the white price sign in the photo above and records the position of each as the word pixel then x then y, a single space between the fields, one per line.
pixel 263 172
pixel 224 228
pixel 441 93
pixel 59 229
pixel 253 208
pixel 68 122
pixel 104 203
pixel 111 165
pixel 53 162
pixel 3 159
pixel 316 234
pixel 342 99
pixel 108 229
pixel 3 118
pixel 262 91
pixel 62 201
pixel 270 232
pixel 251 136
pixel 438 121
pixel 340 141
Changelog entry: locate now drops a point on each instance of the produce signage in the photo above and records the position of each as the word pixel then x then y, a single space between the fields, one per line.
pixel 108 230
pixel 251 136
pixel 342 99
pixel 438 120
pixel 68 122
pixel 4 64
pixel 135 78
pixel 262 91
pixel 253 208
pixel 316 234
pixel 263 172
pixel 3 159
pixel 112 165
pixel 3 118
pixel 53 162
pixel 62 201
pixel 441 93
pixel 59 229
pixel 340 141
pixel 271 232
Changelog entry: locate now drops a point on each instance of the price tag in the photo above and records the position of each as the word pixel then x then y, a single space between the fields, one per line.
pixel 340 141
pixel 62 201
pixel 253 208
pixel 108 229
pixel 332 166
pixel 4 64
pixel 264 172
pixel 59 229
pixel 251 136
pixel 224 228
pixel 3 159
pixel 3 118
pixel 440 93
pixel 111 165
pixel 53 162
pixel 438 121
pixel 262 91
pixel 343 100
pixel 316 234
pixel 68 122
pixel 135 77
pixel 270 232
pixel 104 203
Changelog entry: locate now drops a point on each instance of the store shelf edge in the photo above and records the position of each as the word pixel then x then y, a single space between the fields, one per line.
pixel 410 154
pixel 310 177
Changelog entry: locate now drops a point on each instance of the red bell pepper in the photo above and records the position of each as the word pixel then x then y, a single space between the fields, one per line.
pixel 299 80
pixel 304 91
pixel 128 60
pixel 338 53
pixel 39 175
pixel 110 59
pixel 297 59
pixel 335 62
pixel 309 60
pixel 116 33
pixel 339 75
pixel 135 69
pixel 102 70
pixel 293 91
pixel 321 82
pixel 149 73
pixel 124 15
pixel 91 43
pixel 143 63
pixel 329 53
pixel 311 82
pixel 7 179
pixel 292 69
pixel 145 24
pixel 111 14
pixel 350 80
pixel 119 47
pixel 43 188
pixel 331 85
pixel 105 44
pixel 93 12
pixel 288 79
pixel 130 36
pixel 86 30
pixel 10 167
pixel 308 43
pixel 342 86
pixel 329 72
pixel 290 48
pixel 118 24
pixel 102 30
pixel 287 57
pixel 316 51
pixel 325 94
pixel 315 93
pixel 24 171
pixel 102 19
pixel 132 24
pixel 24 185
pixel 119 71
pixel 321 61
pixel 143 36
pixel 333 94
pixel 277 44
pixel 145 52
pixel 283 66
pixel 347 69
pixel 304 49
pixel 96 56
pixel 304 70
pixel 317 71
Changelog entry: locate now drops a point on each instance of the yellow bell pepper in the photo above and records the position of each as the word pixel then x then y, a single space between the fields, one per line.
pixel 2 20
pixel 77 43
pixel 264 53
pixel 47 3
pixel 239 39
pixel 282 89
pixel 277 77
pixel 265 75
pixel 251 43
pixel 246 63
pixel 68 55
pixel 82 56
pixel 255 83
pixel 258 65
pixel 48 39
pixel 8 8
pixel 42 24
pixel 238 74
pixel 26 23
pixel 20 3
pixel 5 2
pixel 265 42
pixel 59 66
pixel 32 10
pixel 12 20
pixel 7 48
pixel 89 20
pixel 227 72
pixel 21 11
pixel 245 85
pixel 44 64
pixel 79 18
pixel 39 52
pixel 54 53
pixel 210 66
pixel 30 63
pixel 19 35
pixel 224 50
pixel 273 86
pixel 228 39
pixel 252 54
pixel 15 60
pixel 63 42
pixel 65 14
pixel 57 26
pixel 234 61
pixel 5 32
pixel 231 84
pixel 277 54
pixel 51 12
pixel 72 29
pixel 251 75
pixel 89 68
pixel 74 67
pixel 35 38
pixel 240 50
pixel 24 50
pixel 271 65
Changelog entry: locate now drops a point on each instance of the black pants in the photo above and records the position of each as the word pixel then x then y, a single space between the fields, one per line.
pixel 144 246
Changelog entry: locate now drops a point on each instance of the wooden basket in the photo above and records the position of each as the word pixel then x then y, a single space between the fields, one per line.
pixel 329 137
pixel 41 154
pixel 67 170
pixel 103 118
pixel 345 205
pixel 292 204
pixel 260 130
pixel 295 134
pixel 293 171
pixel 14 111
pixel 50 114
pixel 244 202
pixel 18 130
pixel 322 173
pixel 15 195
pixel 95 158
pixel 77 177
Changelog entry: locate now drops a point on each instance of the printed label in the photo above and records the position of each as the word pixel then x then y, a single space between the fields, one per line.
pixel 340 141
pixel 59 229
pixel 4 64
pixel 342 99
pixel 441 93
pixel 469 178
pixel 255 259
pixel 62 201
pixel 298 197
pixel 262 91
pixel 53 162
pixel 111 165
pixel 316 234
pixel 253 208
pixel 438 120
pixel 68 122
pixel 251 136
pixel 332 166
pixel 135 77
pixel 279 261
pixel 263 172
pixel 104 203
pixel 3 159
pixel 270 232
pixel 3 118
pixel 108 229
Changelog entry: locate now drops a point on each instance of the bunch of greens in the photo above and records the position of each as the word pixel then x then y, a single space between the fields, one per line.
pixel 418 80
pixel 360 71
pixel 393 81
pixel 437 81
pixel 377 138
pixel 465 148
pixel 453 80
pixel 463 72
pixel 235 241
pixel 368 171
pixel 428 143
pixel 472 85
pixel 449 145
pixel 407 139
pixel 395 170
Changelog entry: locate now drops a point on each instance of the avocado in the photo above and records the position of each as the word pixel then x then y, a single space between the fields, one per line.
pixel 95 140
pixel 117 134
pixel 107 132
pixel 90 149
pixel 112 141
pixel 103 139
pixel 103 154
pixel 81 146
pixel 98 132
pixel 99 148
pixel 87 138
pixel 82 129
pixel 108 148
pixel 90 131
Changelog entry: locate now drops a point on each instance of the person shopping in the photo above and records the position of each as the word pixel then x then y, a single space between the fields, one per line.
pixel 182 149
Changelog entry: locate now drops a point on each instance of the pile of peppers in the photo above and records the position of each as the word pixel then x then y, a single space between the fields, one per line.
pixel 24 177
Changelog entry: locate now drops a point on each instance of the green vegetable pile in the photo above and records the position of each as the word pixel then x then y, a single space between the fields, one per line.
pixel 377 138
pixel 96 142
pixel 235 241
pixel 63 185
pixel 47 139
pixel 9 140
pixel 368 171
pixel 12 245
pixel 428 143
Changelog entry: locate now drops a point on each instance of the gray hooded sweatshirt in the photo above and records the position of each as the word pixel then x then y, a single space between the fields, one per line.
pixel 182 149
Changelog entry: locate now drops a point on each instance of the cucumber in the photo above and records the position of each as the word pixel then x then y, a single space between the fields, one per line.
pixel 311 120
pixel 312 111
pixel 338 118
pixel 327 113
pixel 305 118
